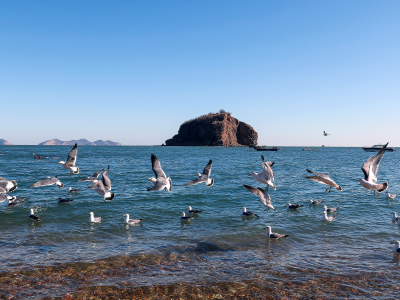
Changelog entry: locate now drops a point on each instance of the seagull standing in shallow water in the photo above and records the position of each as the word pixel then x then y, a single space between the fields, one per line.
pixel 193 211
pixel 326 218
pixel 396 247
pixel 267 175
pixel 330 209
pixel 391 196
pixel 161 181
pixel 264 196
pixel 294 206
pixel 71 160
pixel 246 213
pixel 370 169
pixel 186 218
pixel 92 219
pixel 131 221
pixel 394 217
pixel 273 235
pixel 324 179
pixel 33 216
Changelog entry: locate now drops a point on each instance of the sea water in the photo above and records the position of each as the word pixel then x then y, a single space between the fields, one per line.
pixel 219 243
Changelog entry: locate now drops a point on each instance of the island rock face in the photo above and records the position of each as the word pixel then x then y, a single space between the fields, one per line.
pixel 4 142
pixel 81 142
pixel 219 129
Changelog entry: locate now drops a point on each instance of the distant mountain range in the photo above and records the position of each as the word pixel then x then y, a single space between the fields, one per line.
pixel 4 142
pixel 81 142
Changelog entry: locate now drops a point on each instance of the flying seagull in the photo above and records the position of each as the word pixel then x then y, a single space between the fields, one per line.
pixel 246 213
pixel 161 181
pixel 266 176
pixel 93 178
pixel 263 194
pixel 326 134
pixel 7 185
pixel 48 181
pixel 330 209
pixel 273 235
pixel 103 187
pixel 131 221
pixel 33 216
pixel 70 164
pixel 4 197
pixel 324 179
pixel 205 177
pixel 370 169
pixel 92 219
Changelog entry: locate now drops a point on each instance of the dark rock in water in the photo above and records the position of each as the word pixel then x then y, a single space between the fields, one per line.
pixel 81 142
pixel 219 129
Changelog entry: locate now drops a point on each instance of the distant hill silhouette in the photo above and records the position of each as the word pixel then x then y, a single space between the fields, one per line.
pixel 4 142
pixel 81 142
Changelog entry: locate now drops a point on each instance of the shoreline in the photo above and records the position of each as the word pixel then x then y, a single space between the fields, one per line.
pixel 121 277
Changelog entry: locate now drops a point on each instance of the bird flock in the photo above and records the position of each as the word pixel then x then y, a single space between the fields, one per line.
pixel 162 182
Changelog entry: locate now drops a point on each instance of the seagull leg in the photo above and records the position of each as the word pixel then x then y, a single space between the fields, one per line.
pixel 374 193
pixel 326 190
pixel 330 189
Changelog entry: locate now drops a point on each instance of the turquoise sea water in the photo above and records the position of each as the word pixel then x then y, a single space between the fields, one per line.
pixel 221 244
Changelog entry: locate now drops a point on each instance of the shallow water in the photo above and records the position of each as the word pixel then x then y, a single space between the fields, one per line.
pixel 356 241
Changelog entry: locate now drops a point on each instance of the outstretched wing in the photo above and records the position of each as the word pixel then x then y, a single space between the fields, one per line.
pixel 207 169
pixel 72 156
pixel 106 180
pixel 365 166
pixel 45 182
pixel 99 187
pixel 373 167
pixel 156 166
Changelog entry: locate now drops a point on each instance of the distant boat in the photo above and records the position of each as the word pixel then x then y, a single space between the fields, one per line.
pixel 323 146
pixel 377 148
pixel 263 148
pixel 307 149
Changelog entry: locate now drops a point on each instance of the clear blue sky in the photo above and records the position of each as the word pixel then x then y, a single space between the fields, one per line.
pixel 133 71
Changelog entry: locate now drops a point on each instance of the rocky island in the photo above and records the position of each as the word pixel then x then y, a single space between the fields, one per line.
pixel 4 142
pixel 214 129
pixel 81 142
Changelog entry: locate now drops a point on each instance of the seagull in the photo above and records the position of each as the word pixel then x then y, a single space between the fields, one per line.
pixel 391 196
pixel 316 202
pixel 330 209
pixel 103 187
pixel 65 200
pixel 370 168
pixel 33 216
pixel 263 194
pixel 324 179
pixel 4 197
pixel 7 185
pixel 161 181
pixel 294 206
pixel 246 213
pixel 184 218
pixel 396 247
pixel 131 221
pixel 326 134
pixel 48 181
pixel 273 235
pixel 266 176
pixel 71 160
pixel 394 216
pixel 92 219
pixel 71 190
pixel 193 211
pixel 93 178
pixel 326 218
pixel 204 177
pixel 16 201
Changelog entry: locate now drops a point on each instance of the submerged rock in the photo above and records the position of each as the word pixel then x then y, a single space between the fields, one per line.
pixel 219 129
